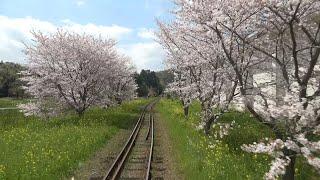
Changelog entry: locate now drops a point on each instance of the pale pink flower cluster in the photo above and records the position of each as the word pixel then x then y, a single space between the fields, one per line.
pixel 223 129
pixel 278 167
pixel 299 145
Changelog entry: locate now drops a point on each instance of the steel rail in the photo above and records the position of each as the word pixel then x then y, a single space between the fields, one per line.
pixel 149 129
pixel 148 175
pixel 117 166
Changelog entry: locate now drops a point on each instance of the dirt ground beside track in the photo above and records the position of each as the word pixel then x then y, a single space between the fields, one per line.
pixel 164 149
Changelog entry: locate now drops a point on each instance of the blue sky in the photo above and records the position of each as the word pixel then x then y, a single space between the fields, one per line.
pixel 130 22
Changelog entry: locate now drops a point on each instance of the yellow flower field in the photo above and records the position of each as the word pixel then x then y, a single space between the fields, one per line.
pixel 32 148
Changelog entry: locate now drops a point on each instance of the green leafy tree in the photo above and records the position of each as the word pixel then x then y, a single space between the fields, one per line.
pixel 148 84
pixel 10 83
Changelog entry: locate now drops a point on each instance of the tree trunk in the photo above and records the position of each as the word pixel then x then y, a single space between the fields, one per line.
pixel 207 126
pixel 186 111
pixel 80 113
pixel 289 174
pixel 119 101
pixel 249 88
pixel 182 102
pixel 280 86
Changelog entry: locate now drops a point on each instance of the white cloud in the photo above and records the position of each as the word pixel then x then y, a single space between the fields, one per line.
pixel 148 55
pixel 146 33
pixel 14 31
pixel 80 3
pixel 113 31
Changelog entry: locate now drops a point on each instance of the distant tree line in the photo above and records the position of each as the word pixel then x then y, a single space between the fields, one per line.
pixel 149 83
pixel 10 83
pixel 152 83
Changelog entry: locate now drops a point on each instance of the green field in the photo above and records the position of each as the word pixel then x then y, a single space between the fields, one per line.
pixel 202 157
pixel 31 148
pixel 11 102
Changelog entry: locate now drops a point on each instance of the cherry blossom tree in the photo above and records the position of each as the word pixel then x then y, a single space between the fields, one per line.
pixel 182 88
pixel 287 34
pixel 69 70
pixel 122 82
pixel 183 85
pixel 275 39
pixel 202 73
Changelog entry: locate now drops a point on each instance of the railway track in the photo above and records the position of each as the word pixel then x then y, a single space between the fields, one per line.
pixel 135 159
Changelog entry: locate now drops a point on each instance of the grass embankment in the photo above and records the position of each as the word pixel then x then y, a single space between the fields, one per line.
pixel 200 157
pixel 10 102
pixel 31 148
